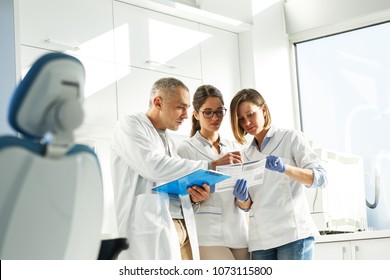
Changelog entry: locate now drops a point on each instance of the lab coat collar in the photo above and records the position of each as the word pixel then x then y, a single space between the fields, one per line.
pixel 204 141
pixel 143 117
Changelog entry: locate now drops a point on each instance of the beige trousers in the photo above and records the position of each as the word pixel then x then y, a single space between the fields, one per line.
pixel 185 246
pixel 223 253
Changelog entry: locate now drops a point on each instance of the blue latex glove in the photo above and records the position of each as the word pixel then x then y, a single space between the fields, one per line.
pixel 275 164
pixel 241 190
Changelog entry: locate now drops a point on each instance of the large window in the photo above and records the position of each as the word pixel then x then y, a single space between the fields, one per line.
pixel 344 91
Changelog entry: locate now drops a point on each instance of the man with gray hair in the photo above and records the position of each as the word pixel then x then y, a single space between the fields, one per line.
pixel 143 156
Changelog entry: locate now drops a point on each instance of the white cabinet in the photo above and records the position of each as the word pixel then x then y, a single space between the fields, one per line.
pixel 82 27
pixel 221 66
pixel 220 60
pixel 332 251
pixel 100 112
pixel 134 89
pixel 125 49
pixel 150 45
pixel 369 248
pixel 156 41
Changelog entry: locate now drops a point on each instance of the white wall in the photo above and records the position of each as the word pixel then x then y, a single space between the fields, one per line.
pixel 247 67
pixel 271 53
pixel 240 10
pixel 277 23
pixel 7 58
pixel 304 15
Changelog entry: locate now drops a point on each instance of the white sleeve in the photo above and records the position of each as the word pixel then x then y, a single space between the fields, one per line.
pixel 142 151
pixel 306 158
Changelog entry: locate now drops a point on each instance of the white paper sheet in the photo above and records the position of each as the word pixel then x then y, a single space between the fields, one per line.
pixel 252 171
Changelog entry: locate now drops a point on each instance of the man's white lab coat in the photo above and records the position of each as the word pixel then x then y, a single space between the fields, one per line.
pixel 138 163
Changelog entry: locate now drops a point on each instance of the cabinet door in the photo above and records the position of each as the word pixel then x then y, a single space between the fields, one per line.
pixel 82 27
pixel 134 88
pixel 220 59
pixel 221 66
pixel 371 249
pixel 100 112
pixel 332 251
pixel 156 41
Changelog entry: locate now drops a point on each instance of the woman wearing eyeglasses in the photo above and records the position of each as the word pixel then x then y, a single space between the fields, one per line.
pixel 221 226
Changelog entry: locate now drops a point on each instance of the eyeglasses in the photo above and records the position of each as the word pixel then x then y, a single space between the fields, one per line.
pixel 208 114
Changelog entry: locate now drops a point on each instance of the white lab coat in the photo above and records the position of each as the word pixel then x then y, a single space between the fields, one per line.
pixel 138 163
pixel 280 213
pixel 219 222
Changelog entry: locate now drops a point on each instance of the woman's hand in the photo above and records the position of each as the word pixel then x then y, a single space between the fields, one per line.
pixel 275 164
pixel 229 158
pixel 240 190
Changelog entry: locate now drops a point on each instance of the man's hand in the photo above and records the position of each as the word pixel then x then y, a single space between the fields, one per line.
pixel 199 194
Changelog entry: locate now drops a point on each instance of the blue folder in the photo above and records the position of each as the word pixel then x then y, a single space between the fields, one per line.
pixel 198 177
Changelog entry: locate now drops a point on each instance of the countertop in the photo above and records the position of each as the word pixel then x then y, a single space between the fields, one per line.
pixel 353 236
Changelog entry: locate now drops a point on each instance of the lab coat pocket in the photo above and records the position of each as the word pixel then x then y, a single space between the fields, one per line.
pixel 209 223
pixel 253 232
pixel 152 232
pixel 150 213
pixel 284 181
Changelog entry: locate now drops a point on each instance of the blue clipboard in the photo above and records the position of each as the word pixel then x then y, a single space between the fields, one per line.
pixel 198 177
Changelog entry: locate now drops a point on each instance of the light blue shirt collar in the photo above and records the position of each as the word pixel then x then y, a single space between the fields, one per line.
pixel 268 136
